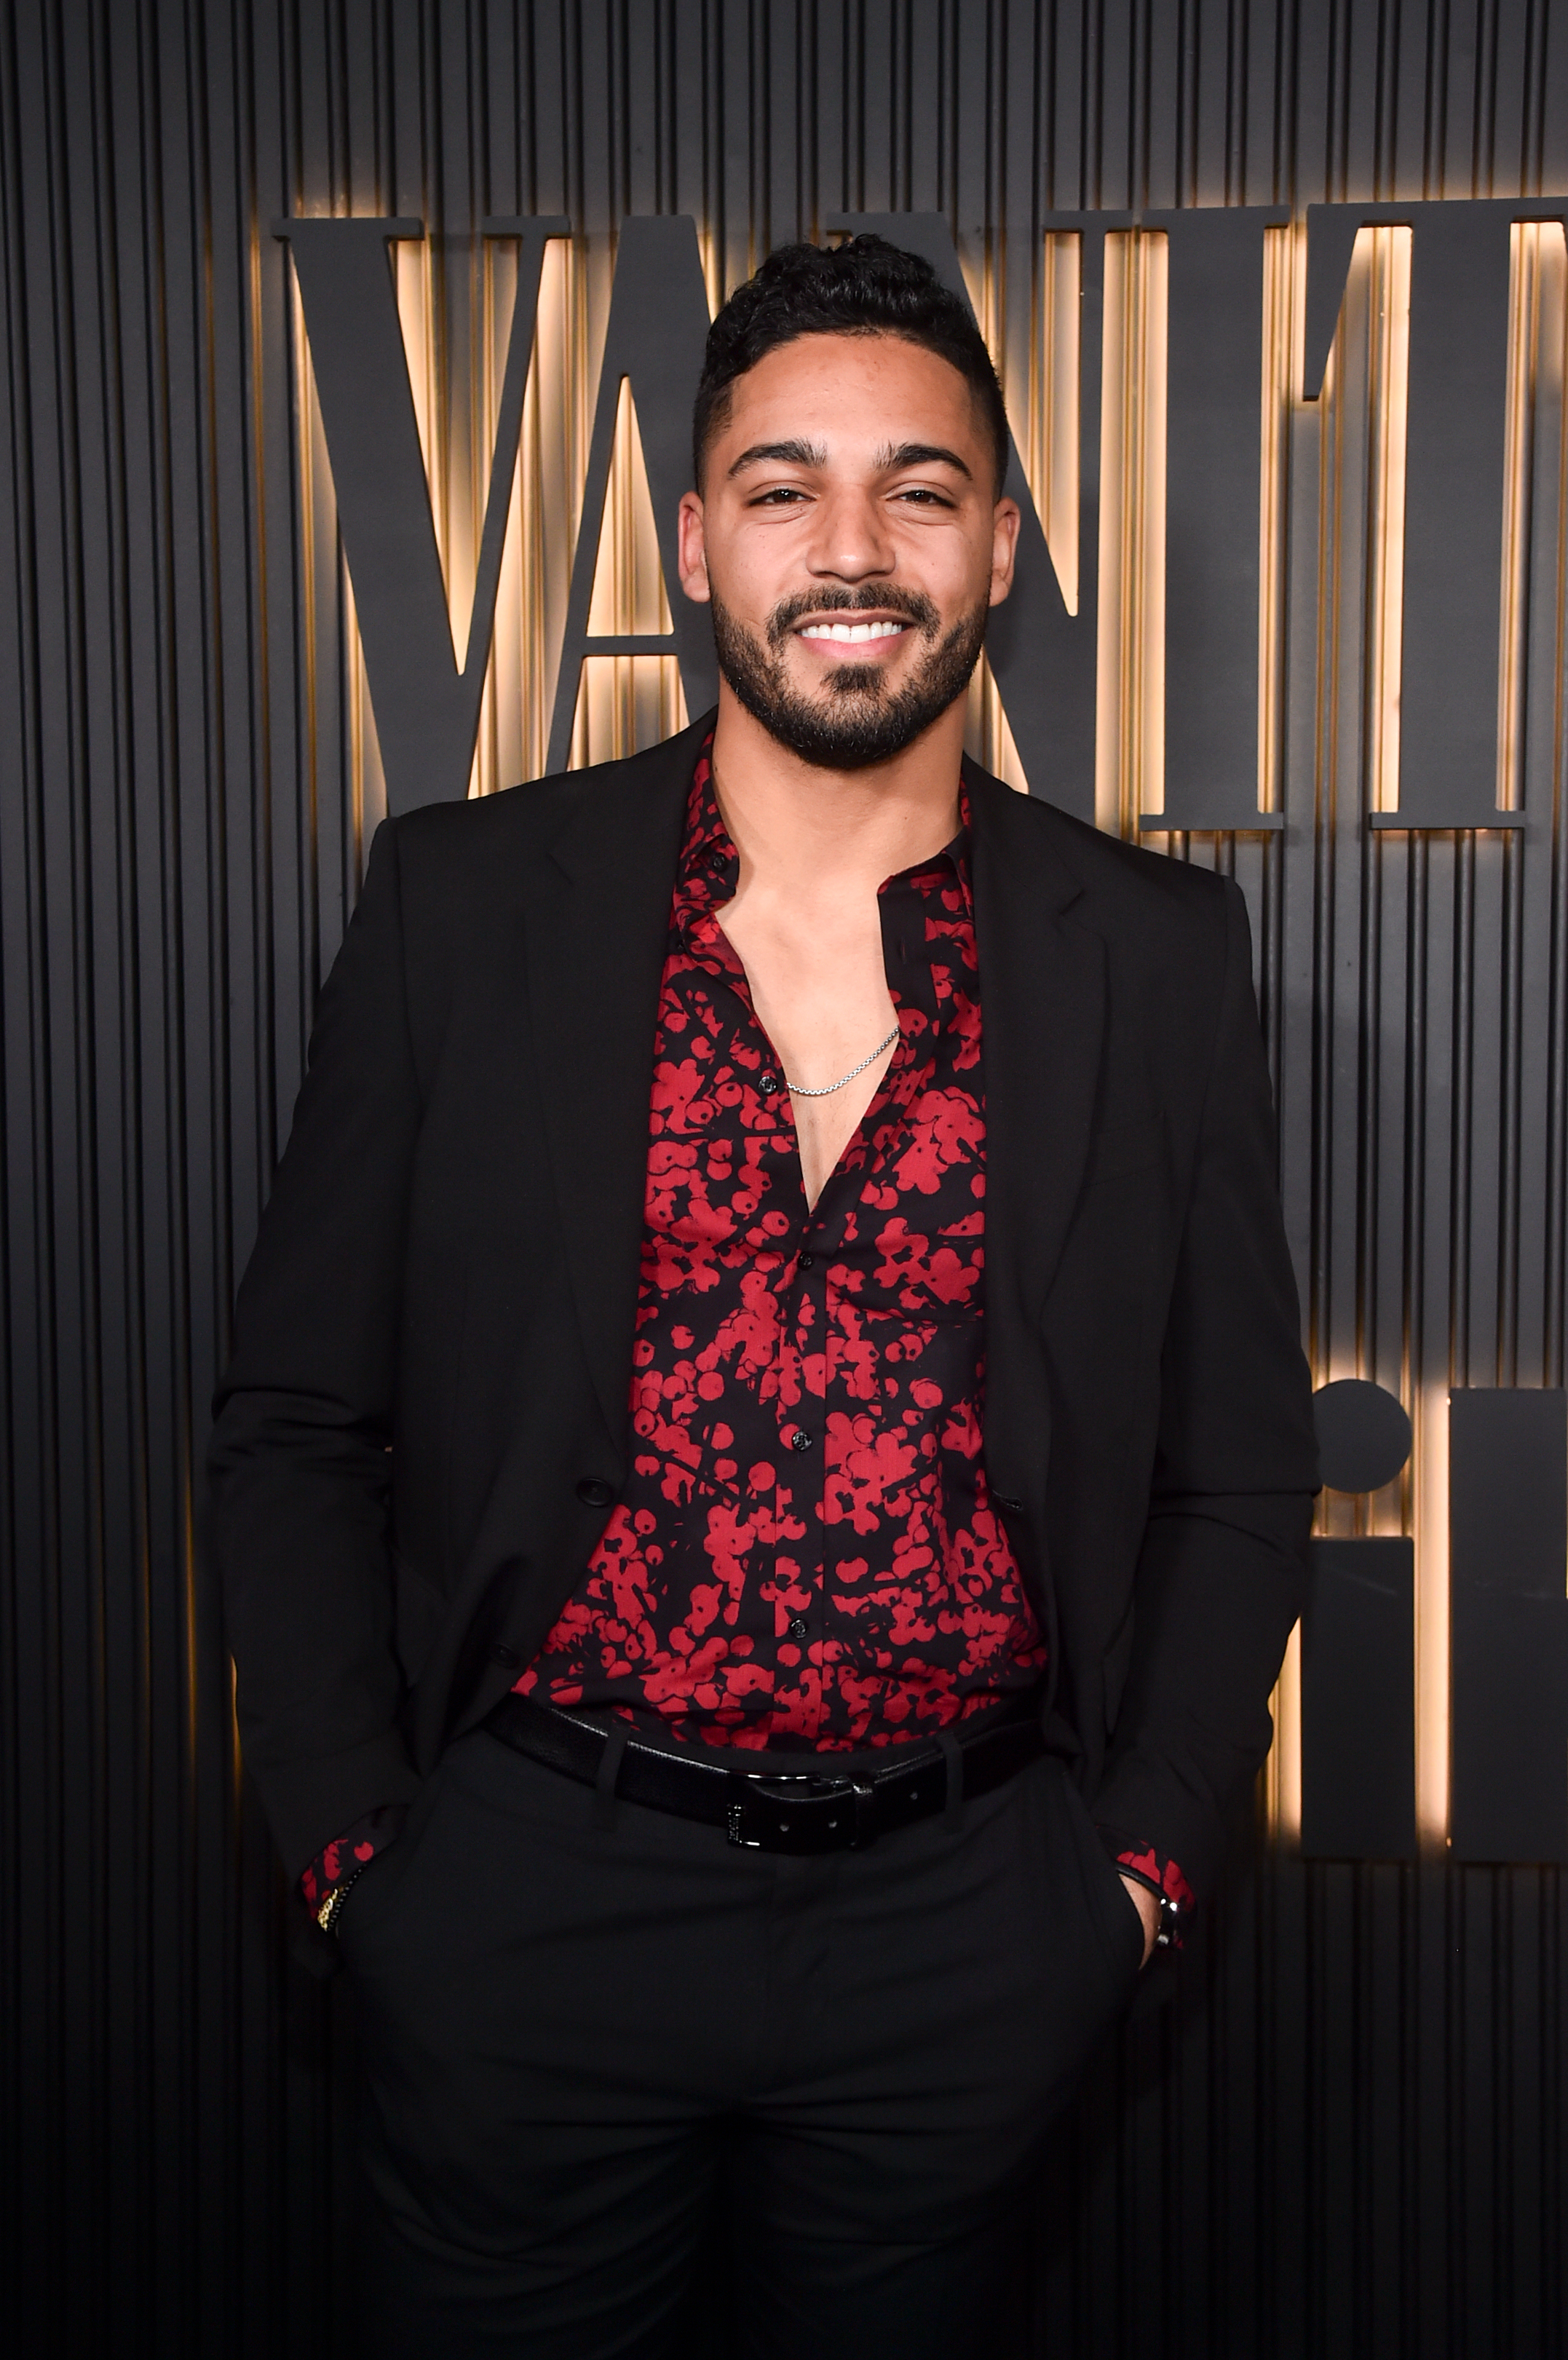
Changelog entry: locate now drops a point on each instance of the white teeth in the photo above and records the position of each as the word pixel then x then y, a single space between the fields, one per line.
pixel 852 630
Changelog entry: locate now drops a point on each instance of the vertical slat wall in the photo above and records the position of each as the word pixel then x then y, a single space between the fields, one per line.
pixel 1346 2136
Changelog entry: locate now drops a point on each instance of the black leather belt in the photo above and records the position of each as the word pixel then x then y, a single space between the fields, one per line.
pixel 767 1810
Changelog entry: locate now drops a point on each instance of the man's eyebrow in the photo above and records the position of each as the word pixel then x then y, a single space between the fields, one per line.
pixel 790 455
pixel 919 454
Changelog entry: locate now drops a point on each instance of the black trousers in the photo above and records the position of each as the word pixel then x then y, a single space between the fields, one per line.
pixel 587 2042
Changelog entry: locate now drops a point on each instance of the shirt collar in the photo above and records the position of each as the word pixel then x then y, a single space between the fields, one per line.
pixel 710 865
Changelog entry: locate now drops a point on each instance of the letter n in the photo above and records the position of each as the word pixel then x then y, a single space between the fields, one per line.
pixel 1043 658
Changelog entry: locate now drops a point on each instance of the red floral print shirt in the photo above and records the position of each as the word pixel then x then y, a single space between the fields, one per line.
pixel 806 1553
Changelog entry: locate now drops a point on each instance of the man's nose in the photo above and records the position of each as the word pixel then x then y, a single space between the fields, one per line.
pixel 851 540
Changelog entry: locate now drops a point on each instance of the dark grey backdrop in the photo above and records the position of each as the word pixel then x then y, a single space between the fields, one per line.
pixel 1346 2136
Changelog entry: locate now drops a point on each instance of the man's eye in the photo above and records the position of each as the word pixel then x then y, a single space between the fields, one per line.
pixel 778 496
pixel 926 494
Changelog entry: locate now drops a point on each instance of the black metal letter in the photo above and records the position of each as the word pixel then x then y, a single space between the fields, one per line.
pixel 1358 1721
pixel 1358 1647
pixel 1508 1489
pixel 427 711
pixel 1213 523
pixel 1455 434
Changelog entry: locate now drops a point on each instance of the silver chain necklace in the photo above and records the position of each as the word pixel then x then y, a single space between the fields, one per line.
pixel 798 1089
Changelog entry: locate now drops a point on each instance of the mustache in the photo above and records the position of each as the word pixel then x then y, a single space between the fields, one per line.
pixel 890 599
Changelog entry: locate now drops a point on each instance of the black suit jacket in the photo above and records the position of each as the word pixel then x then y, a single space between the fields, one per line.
pixel 426 1411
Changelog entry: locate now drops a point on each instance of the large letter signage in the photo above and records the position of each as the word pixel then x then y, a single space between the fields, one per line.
pixel 1043 658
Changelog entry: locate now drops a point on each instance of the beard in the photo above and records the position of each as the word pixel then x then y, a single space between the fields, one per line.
pixel 854 721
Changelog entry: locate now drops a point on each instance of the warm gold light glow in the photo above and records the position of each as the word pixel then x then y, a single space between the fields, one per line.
pixel 1284 264
pixel 1055 408
pixel 1387 253
pixel 536 566
pixel 1130 759
pixel 1282 1773
pixel 1431 1502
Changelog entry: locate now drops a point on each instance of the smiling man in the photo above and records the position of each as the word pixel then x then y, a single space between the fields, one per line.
pixel 763 1482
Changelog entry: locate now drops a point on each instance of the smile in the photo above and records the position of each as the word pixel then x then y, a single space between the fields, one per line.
pixel 853 633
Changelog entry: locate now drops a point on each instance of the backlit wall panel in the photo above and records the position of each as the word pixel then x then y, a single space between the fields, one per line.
pixel 1344 2134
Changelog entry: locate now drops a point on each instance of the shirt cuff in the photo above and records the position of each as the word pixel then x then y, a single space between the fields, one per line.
pixel 1148 1867
pixel 328 1877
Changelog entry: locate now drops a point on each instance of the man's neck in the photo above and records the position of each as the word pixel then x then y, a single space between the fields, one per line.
pixel 795 823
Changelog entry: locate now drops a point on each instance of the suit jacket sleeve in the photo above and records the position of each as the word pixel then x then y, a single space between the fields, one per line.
pixel 299 1460
pixel 1221 1571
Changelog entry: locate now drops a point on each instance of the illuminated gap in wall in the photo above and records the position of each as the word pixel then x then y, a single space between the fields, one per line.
pixel 1129 776
pixel 1430 1492
pixel 627 700
pixel 1387 253
pixel 541 534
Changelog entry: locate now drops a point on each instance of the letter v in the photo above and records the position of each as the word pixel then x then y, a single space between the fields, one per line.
pixel 427 711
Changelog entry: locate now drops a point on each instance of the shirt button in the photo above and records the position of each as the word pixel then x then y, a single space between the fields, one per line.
pixel 798 1627
pixel 767 1084
pixel 596 1494
pixel 799 1440
pixel 718 861
pixel 807 1260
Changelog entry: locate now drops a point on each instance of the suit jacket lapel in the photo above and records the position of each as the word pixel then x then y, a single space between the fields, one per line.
pixel 598 924
pixel 1042 981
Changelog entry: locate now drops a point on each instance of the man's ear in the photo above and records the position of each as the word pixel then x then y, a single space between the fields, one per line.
pixel 1004 548
pixel 693 544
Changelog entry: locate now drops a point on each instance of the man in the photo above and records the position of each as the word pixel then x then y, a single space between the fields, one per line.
pixel 763 1482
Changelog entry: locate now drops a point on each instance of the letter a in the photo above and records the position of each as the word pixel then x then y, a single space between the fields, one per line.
pixel 655 335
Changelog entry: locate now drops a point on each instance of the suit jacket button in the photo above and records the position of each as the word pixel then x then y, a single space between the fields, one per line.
pixel 502 1654
pixel 1009 1507
pixel 593 1493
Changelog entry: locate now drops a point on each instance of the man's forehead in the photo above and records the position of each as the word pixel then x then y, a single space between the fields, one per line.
pixel 878 400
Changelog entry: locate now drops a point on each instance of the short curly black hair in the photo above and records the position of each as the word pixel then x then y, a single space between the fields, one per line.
pixel 865 288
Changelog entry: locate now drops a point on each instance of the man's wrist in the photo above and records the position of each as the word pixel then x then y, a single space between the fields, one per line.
pixel 1147 1904
pixel 1161 1916
pixel 338 1866
pixel 1145 1867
